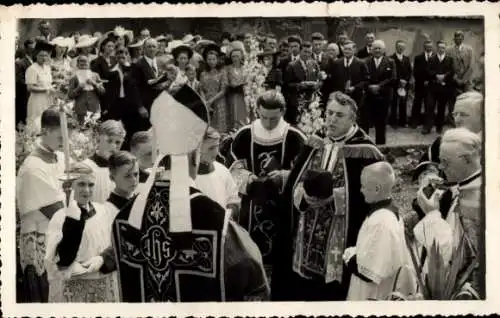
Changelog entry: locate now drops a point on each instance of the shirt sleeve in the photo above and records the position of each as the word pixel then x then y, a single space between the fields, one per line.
pixel 35 191
pixel 31 76
pixel 433 228
pixel 245 278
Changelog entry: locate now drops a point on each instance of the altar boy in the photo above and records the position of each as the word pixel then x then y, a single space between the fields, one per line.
pixel 380 250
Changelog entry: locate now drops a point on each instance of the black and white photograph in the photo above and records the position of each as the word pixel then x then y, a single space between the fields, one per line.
pixel 249 158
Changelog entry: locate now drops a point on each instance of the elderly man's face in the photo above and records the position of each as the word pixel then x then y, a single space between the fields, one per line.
pixel 467 116
pixel 377 49
pixel 452 162
pixel 332 51
pixel 150 48
pixel 339 119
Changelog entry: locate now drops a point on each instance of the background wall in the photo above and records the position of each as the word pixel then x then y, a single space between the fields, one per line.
pixel 412 29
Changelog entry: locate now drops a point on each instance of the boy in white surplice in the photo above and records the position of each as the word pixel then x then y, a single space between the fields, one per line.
pixel 77 235
pixel 380 250
pixel 110 140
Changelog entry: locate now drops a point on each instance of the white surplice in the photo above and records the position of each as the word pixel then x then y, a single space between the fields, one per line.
pixel 37 186
pixel 96 237
pixel 380 251
pixel 219 185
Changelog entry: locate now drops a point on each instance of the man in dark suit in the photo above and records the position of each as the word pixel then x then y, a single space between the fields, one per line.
pixel 150 82
pixel 400 93
pixel 441 88
pixel 295 79
pixel 381 76
pixel 341 40
pixel 22 93
pixel 365 52
pixel 350 74
pixel 294 48
pixel 325 64
pixel 422 78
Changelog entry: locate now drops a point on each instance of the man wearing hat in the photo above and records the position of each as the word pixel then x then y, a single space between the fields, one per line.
pixel 173 243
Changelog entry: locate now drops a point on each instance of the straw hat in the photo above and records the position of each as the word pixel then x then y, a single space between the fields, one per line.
pixel 178 47
pixel 188 38
pixel 236 46
pixel 86 41
pixel 136 44
pixel 60 41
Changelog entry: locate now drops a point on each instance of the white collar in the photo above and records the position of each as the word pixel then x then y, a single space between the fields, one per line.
pixel 441 56
pixel 151 61
pixel 267 136
pixel 347 135
pixel 399 55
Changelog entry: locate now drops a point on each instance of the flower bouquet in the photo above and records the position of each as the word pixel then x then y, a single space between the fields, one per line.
pixel 256 76
pixel 311 118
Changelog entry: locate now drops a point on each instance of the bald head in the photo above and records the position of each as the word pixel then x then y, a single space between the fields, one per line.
pixel 377 181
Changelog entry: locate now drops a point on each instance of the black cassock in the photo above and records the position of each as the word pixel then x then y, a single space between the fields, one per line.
pixel 310 240
pixel 259 153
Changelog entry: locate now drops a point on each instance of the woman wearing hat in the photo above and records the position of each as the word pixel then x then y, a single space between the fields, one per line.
pixel 236 80
pixel 61 68
pixel 274 77
pixel 182 54
pixel 84 46
pixel 213 87
pixel 39 83
pixel 103 66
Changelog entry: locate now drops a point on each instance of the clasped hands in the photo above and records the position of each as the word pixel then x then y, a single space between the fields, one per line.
pixel 90 266
pixel 429 204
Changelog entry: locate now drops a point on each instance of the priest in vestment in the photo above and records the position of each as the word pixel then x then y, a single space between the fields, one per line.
pixel 39 196
pixel 448 216
pixel 380 256
pixel 110 140
pixel 263 154
pixel 309 266
pixel 174 244
pixel 77 235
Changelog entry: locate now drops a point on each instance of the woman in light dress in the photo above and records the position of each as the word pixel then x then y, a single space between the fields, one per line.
pixel 61 64
pixel 213 88
pixel 39 83
pixel 236 81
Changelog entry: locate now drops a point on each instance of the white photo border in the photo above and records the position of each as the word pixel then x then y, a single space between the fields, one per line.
pixel 8 22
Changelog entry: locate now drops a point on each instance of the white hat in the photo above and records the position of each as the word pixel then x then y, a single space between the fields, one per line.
pixel 173 44
pixel 187 38
pixel 60 41
pixel 179 122
pixel 86 41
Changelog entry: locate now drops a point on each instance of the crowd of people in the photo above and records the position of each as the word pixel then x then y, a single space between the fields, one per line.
pixel 167 210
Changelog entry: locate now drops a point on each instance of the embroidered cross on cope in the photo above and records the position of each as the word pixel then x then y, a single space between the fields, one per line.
pixel 166 266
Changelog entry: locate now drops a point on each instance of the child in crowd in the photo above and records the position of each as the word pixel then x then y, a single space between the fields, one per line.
pixel 85 87
pixel 124 171
pixel 380 252
pixel 110 140
pixel 141 146
pixel 214 179
pixel 191 78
